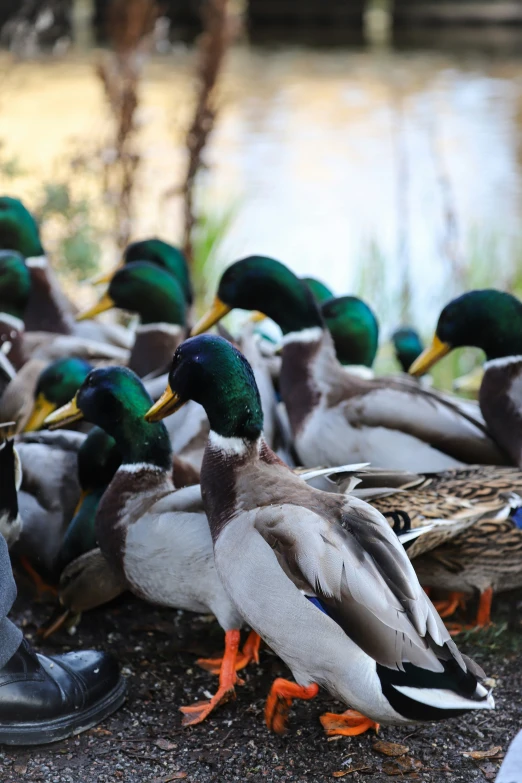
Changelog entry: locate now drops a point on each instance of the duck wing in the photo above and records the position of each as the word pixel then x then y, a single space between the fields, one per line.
pixel 432 418
pixel 353 565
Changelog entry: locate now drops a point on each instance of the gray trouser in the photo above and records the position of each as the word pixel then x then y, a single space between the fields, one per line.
pixel 10 635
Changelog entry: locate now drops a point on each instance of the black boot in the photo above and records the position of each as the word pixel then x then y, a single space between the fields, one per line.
pixel 44 699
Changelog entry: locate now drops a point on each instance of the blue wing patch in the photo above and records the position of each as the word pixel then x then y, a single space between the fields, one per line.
pixel 516 516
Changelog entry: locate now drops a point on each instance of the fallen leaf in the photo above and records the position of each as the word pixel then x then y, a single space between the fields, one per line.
pixel 483 754
pixel 172 776
pixel 342 772
pixel 489 771
pixel 99 730
pixel 20 768
pixel 165 744
pixel 389 748
pixel 402 766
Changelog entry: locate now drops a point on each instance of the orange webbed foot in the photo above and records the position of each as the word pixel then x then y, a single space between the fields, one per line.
pixel 282 693
pixel 196 713
pixel 453 602
pixel 249 653
pixel 40 585
pixel 483 615
pixel 347 724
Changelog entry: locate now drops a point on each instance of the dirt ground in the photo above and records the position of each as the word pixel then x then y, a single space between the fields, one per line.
pixel 144 741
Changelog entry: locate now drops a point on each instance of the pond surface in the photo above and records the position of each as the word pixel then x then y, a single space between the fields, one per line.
pixel 369 169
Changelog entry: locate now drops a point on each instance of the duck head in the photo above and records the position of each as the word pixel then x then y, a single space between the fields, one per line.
pixel 163 255
pixel 56 385
pixel 354 329
pixel 18 228
pixel 146 289
pixel 408 346
pixel 321 291
pixel 115 399
pixel 264 284
pixel 212 372
pixel 486 319
pixel 15 284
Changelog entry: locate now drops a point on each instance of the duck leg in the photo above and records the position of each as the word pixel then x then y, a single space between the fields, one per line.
pixel 449 606
pixel 282 693
pixel 483 614
pixel 348 724
pixel 40 585
pixel 249 653
pixel 196 713
pixel 484 608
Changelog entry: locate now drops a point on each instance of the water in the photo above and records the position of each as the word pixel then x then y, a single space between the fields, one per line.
pixel 362 168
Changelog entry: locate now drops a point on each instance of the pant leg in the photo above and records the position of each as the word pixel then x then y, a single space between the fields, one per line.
pixel 10 635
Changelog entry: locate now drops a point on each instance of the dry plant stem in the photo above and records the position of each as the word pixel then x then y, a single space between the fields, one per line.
pixel 130 24
pixel 212 47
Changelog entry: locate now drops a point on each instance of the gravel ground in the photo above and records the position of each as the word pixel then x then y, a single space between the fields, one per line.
pixel 144 742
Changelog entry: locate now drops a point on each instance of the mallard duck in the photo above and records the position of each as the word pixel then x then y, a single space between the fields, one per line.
pixel 407 345
pixel 164 255
pixel 10 480
pixel 47 498
pixel 490 320
pixel 155 295
pixel 475 545
pixel 335 416
pixel 320 291
pixel 321 577
pixel 355 332
pixel 20 345
pixel 55 386
pixel 98 460
pixel 156 537
pixel 48 310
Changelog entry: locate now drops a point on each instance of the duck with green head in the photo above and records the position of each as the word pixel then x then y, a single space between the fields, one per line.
pixel 56 384
pixel 155 295
pixel 154 536
pixel 492 321
pixel 98 460
pixel 355 332
pixel 15 289
pixel 164 255
pixel 48 309
pixel 337 417
pixel 408 346
pixel 321 577
pixel 320 291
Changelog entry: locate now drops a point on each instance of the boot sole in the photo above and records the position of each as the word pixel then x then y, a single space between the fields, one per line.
pixel 43 732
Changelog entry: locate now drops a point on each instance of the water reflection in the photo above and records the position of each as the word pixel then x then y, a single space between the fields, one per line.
pixel 358 167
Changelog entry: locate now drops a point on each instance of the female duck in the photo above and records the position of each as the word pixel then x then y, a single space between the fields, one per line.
pixel 337 417
pixel 156 537
pixel 321 577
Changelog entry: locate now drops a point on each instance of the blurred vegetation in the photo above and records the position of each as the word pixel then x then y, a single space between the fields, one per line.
pixel 208 235
pixel 74 237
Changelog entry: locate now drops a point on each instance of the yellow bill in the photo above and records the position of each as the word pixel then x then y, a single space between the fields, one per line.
pixel 42 407
pixel 65 415
pixel 168 403
pixel 103 304
pixel 81 499
pixel 256 317
pixel 429 356
pixel 218 311
pixel 104 277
